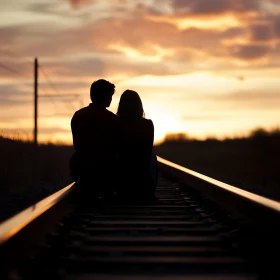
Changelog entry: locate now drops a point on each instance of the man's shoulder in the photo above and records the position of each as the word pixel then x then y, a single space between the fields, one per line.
pixel 111 115
pixel 87 112
pixel 80 114
pixel 82 111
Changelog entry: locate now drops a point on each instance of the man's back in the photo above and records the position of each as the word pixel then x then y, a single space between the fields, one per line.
pixel 94 133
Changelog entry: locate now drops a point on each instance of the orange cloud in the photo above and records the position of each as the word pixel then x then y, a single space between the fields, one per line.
pixel 205 7
pixel 77 3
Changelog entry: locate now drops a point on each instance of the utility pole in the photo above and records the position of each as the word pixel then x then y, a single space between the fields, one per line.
pixel 35 101
pixel 36 97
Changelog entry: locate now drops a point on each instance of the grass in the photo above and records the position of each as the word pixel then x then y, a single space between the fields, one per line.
pixel 24 165
pixel 251 163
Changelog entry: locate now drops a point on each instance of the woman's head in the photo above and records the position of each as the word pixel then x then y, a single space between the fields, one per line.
pixel 130 105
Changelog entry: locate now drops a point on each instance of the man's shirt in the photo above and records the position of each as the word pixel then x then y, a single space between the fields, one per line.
pixel 94 131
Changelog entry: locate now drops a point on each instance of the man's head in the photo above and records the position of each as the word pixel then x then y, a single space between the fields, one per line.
pixel 101 92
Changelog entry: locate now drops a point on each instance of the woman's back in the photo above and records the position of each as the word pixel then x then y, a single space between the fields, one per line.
pixel 136 137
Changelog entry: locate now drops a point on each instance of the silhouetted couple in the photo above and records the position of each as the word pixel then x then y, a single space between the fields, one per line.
pixel 113 153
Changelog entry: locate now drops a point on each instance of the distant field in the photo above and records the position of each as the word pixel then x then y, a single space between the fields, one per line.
pixel 251 163
pixel 24 166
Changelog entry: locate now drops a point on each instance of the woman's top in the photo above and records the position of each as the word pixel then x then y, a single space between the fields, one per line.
pixel 136 137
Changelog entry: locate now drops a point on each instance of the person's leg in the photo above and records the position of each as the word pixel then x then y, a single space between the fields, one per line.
pixel 88 184
pixel 106 173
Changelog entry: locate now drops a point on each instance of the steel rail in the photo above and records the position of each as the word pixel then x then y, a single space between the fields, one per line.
pixel 128 229
pixel 13 225
pixel 263 201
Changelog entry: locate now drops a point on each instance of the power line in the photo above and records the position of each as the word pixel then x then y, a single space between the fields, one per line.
pixel 13 54
pixel 48 95
pixel 50 83
pixel 48 79
pixel 12 70
pixel 68 104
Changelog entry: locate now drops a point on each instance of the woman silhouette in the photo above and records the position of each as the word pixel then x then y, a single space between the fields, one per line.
pixel 137 163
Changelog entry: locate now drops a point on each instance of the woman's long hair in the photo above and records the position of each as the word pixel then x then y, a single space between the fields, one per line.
pixel 130 105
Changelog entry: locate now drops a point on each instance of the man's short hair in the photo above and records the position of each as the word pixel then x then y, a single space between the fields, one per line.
pixel 100 90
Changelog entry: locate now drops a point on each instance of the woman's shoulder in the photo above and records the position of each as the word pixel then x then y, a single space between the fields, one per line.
pixel 148 122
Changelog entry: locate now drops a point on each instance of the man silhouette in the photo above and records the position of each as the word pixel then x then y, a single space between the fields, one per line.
pixel 94 131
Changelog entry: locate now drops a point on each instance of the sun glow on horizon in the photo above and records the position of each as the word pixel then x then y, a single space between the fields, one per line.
pixel 200 69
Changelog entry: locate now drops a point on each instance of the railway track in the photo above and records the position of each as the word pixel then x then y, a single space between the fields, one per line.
pixel 199 228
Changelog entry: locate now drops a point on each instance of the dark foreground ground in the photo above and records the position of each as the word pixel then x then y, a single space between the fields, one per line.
pixel 251 163
pixel 29 173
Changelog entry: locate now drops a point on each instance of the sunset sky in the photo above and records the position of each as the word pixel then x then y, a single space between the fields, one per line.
pixel 203 67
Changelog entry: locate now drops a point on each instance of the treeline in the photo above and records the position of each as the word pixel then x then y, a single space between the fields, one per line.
pixel 251 162
pixel 254 134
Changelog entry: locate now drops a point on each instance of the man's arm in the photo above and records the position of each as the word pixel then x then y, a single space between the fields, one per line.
pixel 74 131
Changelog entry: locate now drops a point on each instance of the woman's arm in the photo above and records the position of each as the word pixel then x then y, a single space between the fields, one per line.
pixel 149 139
pixel 151 133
